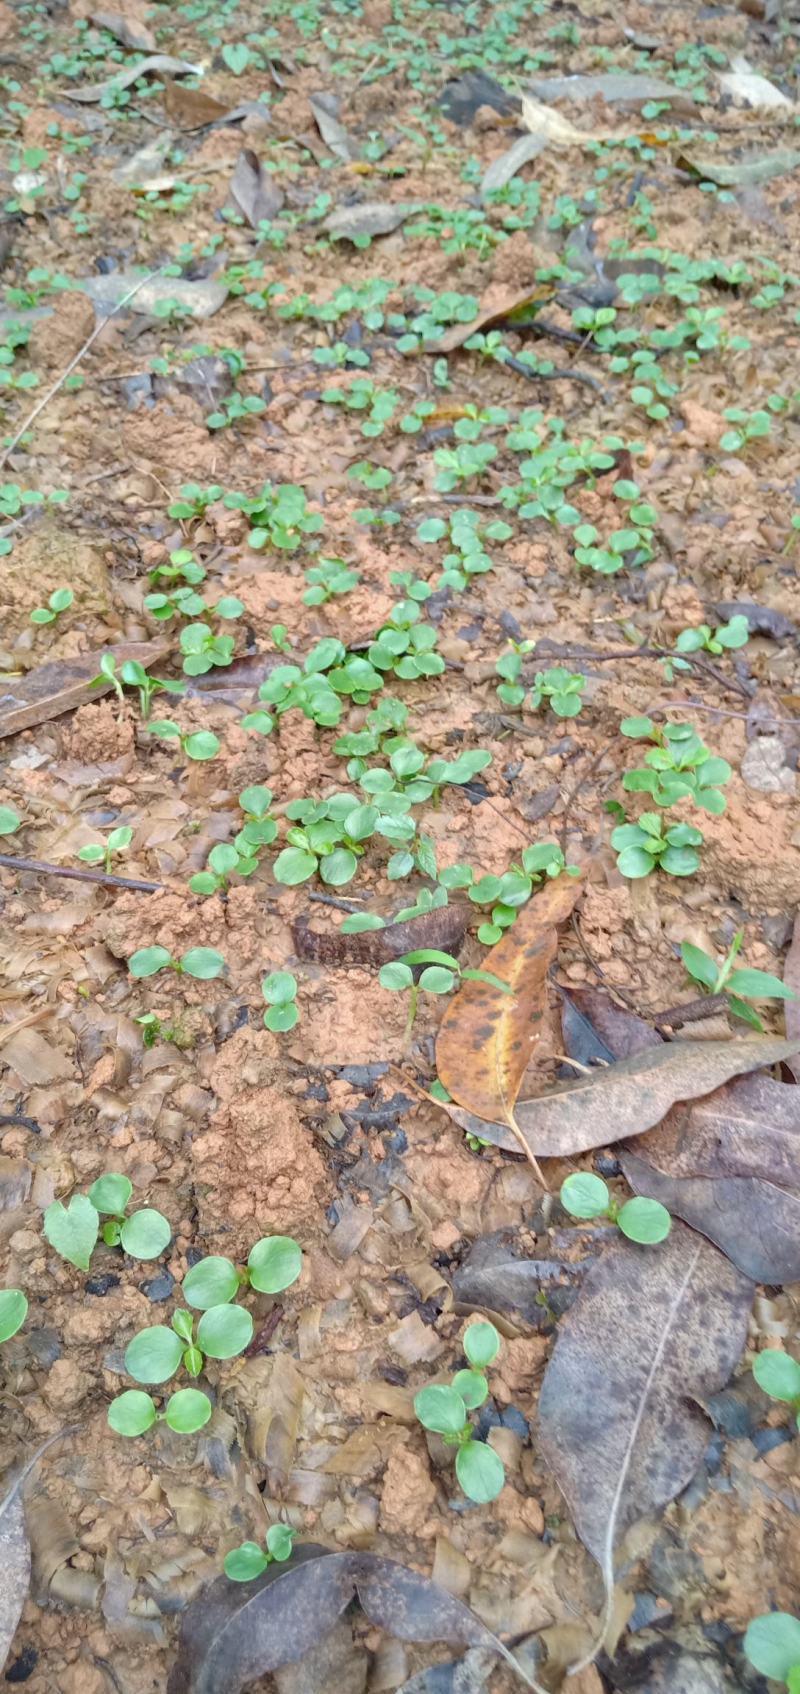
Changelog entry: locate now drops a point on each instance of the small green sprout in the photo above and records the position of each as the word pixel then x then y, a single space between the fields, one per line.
pixel 154 1030
pixel 772 1645
pixel 73 1229
pixel 641 847
pixel 561 689
pixel 59 601
pixel 751 426
pixel 279 516
pixel 585 1195
pixel 443 1409
pixel 134 1412
pixel 739 985
pixel 678 766
pixel 506 894
pixel 273 1264
pixel 202 649
pixel 102 853
pixel 327 578
pixel 199 745
pixel 10 820
pixel 134 675
pixel 726 636
pixel 156 1353
pixel 13 1312
pixel 779 1376
pixel 194 500
pixel 236 408
pixel 440 975
pixel 280 992
pixel 244 1563
pixel 204 963
pixel 224 860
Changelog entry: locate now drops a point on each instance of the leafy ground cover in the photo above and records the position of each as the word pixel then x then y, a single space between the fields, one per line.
pixel 399 499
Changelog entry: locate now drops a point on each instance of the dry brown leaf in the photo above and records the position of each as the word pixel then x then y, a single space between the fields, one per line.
pixel 129 31
pixel 487 1037
pixel 333 133
pixel 552 127
pixel 652 1333
pixel 254 191
pixel 192 107
pixel 631 1096
pixel 35 1061
pixel 497 303
pixel 63 685
pixel 729 1165
pixel 272 1391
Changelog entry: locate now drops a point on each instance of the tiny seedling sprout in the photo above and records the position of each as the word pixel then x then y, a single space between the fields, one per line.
pixel 772 1645
pixel 585 1195
pixel 13 1312
pixel 739 985
pixel 73 1229
pixel 443 1409
pixel 247 1561
pixel 201 962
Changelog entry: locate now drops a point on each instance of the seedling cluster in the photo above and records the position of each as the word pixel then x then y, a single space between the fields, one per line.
pixel 443 1410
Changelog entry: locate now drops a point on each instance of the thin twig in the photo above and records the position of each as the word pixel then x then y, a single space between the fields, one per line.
pixel 574 792
pixel 9 861
pixel 45 401
pixel 692 1011
pixel 732 685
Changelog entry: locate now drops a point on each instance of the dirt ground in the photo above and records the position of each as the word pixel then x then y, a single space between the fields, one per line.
pixel 231 1130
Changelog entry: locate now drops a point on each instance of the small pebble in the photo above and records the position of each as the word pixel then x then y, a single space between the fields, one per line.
pixel 160 1288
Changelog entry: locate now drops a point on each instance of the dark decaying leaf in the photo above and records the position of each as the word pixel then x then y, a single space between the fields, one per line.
pixel 334 1665
pixel 791 1008
pixel 234 1633
pixel 372 217
pixel 156 64
pixel 620 1032
pixel 636 1093
pixel 192 107
pixel 761 620
pixel 63 685
pixel 729 1165
pixel 129 31
pixel 667 1667
pixel 582 1040
pixel 463 97
pixel 616 88
pixel 651 1334
pixel 254 191
pixel 443 929
pixel 494 1278
pixel 333 133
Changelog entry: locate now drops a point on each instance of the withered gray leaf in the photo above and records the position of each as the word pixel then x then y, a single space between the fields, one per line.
pixel 621 1032
pixel 333 133
pixel 636 1093
pixel 254 191
pixel 372 217
pixel 15 1563
pixel 502 170
pixel 129 31
pixel 492 1277
pixel 201 297
pixel 235 1632
pixel 653 1332
pixel 616 88
pixel 761 620
pixel 729 1165
pixel 157 63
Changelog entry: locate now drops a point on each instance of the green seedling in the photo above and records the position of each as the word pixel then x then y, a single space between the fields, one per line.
pixel 202 649
pixel 561 689
pixel 441 974
pixel 506 894
pixel 279 516
pixel 641 847
pixel 280 992
pixel 156 1353
pixel 772 1644
pixel 193 502
pixel 10 820
pixel 59 601
pixel 330 836
pixel 13 1312
pixel 701 639
pixel 328 673
pixel 73 1229
pixel 739 985
pixel 443 1409
pixel 199 745
pixel 779 1376
pixel 585 1195
pixel 134 675
pixel 678 766
pixel 328 578
pixel 244 1563
pixel 224 861
pixel 259 828
pixel 236 408
pixel 751 426
pixel 200 962
pixel 406 646
pixel 97 853
pixel 273 1264
pixel 134 1412
pixel 154 1030
pixel 183 568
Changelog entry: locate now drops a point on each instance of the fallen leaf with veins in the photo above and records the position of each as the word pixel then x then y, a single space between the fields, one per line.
pixel 729 1165
pixel 157 63
pixel 652 1334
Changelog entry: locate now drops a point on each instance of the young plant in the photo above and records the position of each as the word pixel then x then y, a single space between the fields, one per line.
pixel 97 853
pixel 134 675
pixel 641 847
pixel 585 1195
pixel 561 689
pixel 279 516
pixel 443 1409
pixel 751 426
pixel 10 820
pixel 406 646
pixel 198 745
pixel 236 408
pixel 505 894
pixel 325 579
pixel 779 1376
pixel 156 1353
pixel 224 861
pixel 202 649
pixel 73 1229
pixel 440 976
pixel 273 1264
pixel 194 500
pixel 739 985
pixel 58 602
pixel 330 836
pixel 134 1412
pixel 13 1312
pixel 154 1030
pixel 243 1563
pixel 200 962
pixel 726 636
pixel 677 766
pixel 772 1645
pixel 280 992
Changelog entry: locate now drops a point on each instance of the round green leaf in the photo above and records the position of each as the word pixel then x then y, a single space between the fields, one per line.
pixel 147 960
pixel 584 1195
pixel 154 1354
pixel 201 745
pixel 223 858
pixel 636 727
pixel 187 1410
pixel 481 1344
pixel 274 1263
pixel 132 1413
pixel 211 1283
pixel 279 988
pixel 772 1644
pixel 183 1324
pixel 778 1375
pixel 680 861
pixel 245 1562
pixel 13 1312
pixel 472 1386
pixel 145 1234
pixel 480 1471
pixel 224 1331
pixel 72 1230
pixel 280 1019
pixel 111 1193
pixel 280 1540
pixel 441 1408
pixel 437 980
pixel 261 722
pixel 635 862
pixel 395 975
pixel 294 865
pixel 9 820
pixel 203 963
pixel 338 867
pixel 256 800
pixel 643 1220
